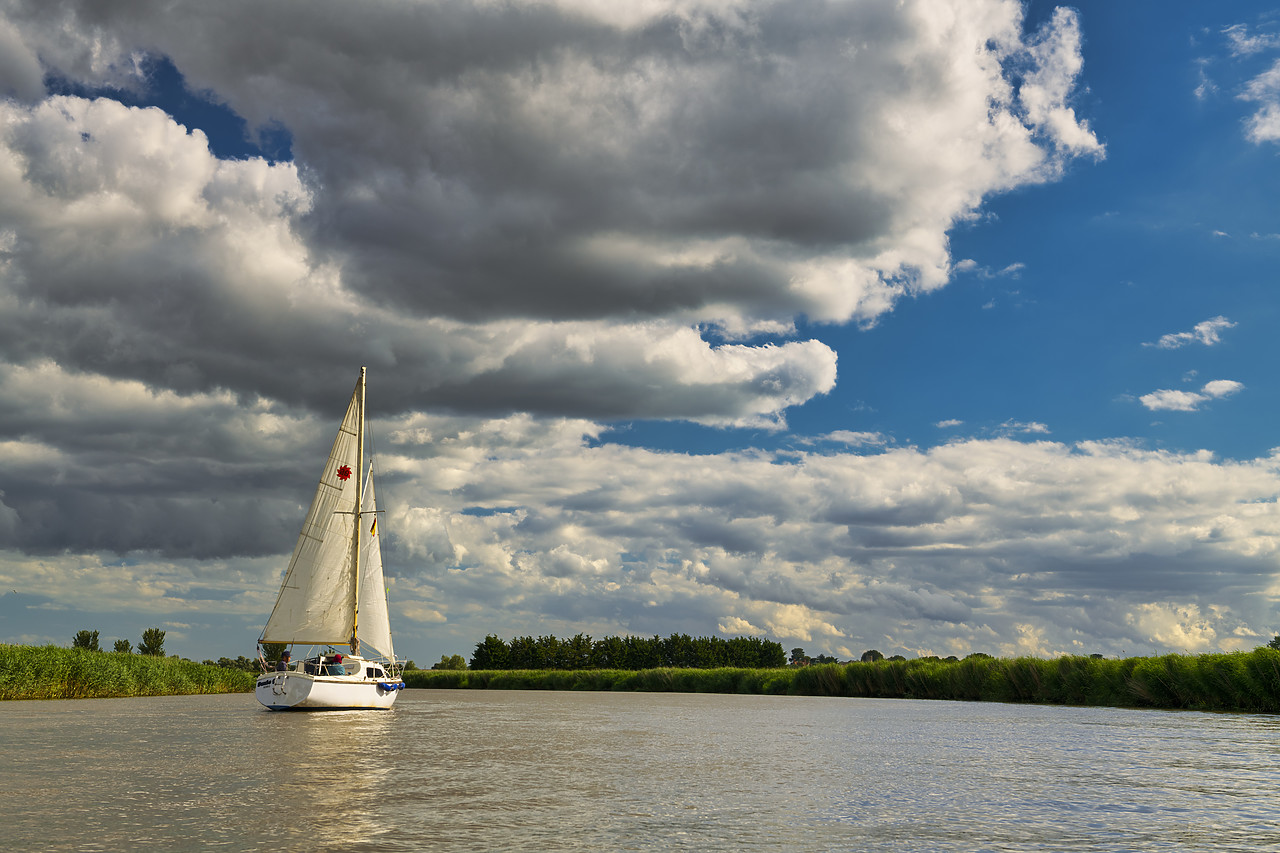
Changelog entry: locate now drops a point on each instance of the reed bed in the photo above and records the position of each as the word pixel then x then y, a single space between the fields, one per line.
pixel 1241 681
pixel 53 672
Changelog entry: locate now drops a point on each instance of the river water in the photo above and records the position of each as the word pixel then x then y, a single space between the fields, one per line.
pixel 534 771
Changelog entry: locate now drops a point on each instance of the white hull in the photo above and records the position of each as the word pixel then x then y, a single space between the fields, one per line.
pixel 298 691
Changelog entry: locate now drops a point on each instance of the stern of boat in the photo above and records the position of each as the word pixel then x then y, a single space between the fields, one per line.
pixel 316 686
pixel 281 691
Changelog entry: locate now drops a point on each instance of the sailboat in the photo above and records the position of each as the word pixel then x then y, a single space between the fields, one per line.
pixel 333 594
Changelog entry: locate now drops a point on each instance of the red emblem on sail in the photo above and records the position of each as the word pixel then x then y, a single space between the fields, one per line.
pixel 344 473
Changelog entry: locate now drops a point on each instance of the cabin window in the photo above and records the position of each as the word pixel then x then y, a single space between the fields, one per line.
pixel 373 672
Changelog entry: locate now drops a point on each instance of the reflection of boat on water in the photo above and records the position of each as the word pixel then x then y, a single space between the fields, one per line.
pixel 312 779
pixel 333 593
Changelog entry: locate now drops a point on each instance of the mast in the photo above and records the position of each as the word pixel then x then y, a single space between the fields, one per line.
pixel 355 534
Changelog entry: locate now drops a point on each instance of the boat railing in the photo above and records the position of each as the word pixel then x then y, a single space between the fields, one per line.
pixel 367 668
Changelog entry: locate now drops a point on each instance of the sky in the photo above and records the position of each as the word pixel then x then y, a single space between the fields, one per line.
pixel 920 326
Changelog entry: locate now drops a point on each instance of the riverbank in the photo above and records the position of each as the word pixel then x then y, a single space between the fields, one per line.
pixel 1241 681
pixel 54 672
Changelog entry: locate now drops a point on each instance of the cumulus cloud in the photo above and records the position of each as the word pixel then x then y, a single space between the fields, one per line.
pixel 1047 89
pixel 726 164
pixel 951 548
pixel 530 525
pixel 1174 628
pixel 1208 332
pixel 1172 400
pixel 736 625
pixel 1189 401
pixel 530 221
pixel 1221 387
pixel 135 252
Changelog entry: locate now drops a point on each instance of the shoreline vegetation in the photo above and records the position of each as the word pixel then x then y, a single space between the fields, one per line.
pixel 1240 681
pixel 55 672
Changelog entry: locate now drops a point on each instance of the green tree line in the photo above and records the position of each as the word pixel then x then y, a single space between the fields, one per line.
pixel 679 651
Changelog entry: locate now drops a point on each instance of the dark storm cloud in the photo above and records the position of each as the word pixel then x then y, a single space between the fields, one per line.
pixel 110 466
pixel 473 160
pixel 128 250
pixel 459 155
pixel 503 207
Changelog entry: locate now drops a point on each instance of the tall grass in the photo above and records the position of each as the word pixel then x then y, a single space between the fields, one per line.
pixel 1241 681
pixel 53 672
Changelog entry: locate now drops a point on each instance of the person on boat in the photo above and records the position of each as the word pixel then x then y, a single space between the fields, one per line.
pixel 336 668
pixel 283 663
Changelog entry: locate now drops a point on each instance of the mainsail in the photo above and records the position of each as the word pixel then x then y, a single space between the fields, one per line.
pixel 316 605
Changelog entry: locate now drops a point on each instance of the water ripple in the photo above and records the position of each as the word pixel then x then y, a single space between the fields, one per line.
pixel 481 771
